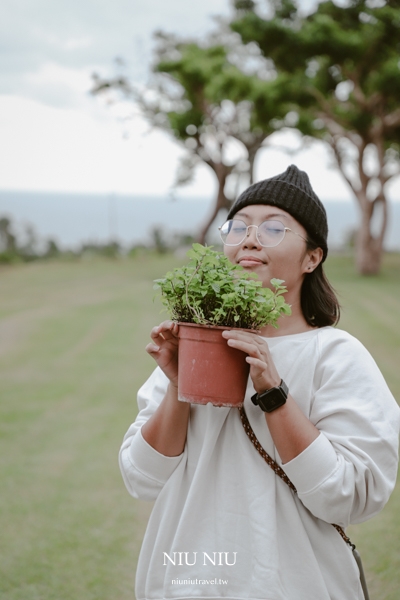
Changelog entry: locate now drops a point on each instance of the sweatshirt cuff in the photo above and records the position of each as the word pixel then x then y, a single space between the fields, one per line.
pixel 151 463
pixel 313 466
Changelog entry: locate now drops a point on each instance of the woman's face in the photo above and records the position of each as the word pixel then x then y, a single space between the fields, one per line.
pixel 289 260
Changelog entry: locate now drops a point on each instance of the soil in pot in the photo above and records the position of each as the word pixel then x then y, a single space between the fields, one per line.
pixel 209 369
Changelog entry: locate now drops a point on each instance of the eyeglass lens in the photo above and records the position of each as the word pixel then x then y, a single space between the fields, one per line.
pixel 269 233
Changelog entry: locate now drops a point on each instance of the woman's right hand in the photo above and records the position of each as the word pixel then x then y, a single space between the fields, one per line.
pixel 166 429
pixel 164 349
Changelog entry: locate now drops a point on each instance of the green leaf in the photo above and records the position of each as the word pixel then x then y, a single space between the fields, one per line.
pixel 277 282
pixel 200 249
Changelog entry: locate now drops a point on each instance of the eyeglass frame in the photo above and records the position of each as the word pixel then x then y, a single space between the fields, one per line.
pixel 257 226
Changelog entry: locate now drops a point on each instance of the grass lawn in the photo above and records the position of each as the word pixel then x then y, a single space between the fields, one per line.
pixel 371 312
pixel 72 339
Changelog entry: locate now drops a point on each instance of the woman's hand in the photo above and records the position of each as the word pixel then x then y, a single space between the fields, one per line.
pixel 164 349
pixel 166 429
pixel 291 431
pixel 262 369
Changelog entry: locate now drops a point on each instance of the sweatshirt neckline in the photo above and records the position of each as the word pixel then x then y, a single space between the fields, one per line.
pixel 297 336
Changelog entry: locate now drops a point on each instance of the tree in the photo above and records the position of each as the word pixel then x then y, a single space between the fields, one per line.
pixel 345 69
pixel 52 249
pixel 205 95
pixel 8 241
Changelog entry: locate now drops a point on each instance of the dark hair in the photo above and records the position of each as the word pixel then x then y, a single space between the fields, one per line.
pixel 319 302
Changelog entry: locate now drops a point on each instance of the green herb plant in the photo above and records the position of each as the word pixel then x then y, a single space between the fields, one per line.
pixel 210 290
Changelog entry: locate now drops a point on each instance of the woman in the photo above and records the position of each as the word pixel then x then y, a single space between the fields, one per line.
pixel 224 525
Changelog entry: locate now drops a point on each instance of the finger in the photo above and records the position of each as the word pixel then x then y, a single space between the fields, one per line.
pixel 249 348
pixel 227 333
pixel 158 333
pixel 257 363
pixel 155 332
pixel 152 348
pixel 168 335
pixel 169 325
pixel 243 335
pixel 166 330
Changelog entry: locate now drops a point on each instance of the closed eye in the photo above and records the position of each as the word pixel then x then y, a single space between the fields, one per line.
pixel 273 229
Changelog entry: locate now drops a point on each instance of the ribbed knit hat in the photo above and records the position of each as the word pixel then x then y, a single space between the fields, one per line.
pixel 292 192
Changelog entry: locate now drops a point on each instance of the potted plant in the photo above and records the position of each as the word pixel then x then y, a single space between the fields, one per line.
pixel 206 296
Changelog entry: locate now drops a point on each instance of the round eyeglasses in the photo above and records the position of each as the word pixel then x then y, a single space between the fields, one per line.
pixel 269 234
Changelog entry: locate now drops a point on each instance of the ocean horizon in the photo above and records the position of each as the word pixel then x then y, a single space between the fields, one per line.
pixel 72 219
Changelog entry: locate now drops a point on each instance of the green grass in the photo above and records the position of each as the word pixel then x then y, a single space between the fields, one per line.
pixel 371 312
pixel 72 339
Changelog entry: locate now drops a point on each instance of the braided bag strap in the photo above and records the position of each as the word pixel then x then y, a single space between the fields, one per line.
pixel 274 465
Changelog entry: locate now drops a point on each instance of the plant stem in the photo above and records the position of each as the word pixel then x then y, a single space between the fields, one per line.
pixel 199 317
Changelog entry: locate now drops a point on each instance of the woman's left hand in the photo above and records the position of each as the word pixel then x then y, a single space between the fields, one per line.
pixel 262 368
pixel 291 431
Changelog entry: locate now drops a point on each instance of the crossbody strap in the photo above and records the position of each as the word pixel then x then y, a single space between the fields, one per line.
pixel 281 473
pixel 278 470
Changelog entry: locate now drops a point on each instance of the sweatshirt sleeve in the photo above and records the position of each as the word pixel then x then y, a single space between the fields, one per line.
pixel 348 473
pixel 144 470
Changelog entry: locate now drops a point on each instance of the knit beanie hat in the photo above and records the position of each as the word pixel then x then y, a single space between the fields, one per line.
pixel 292 192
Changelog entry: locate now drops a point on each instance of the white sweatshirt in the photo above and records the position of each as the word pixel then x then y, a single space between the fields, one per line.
pixel 225 526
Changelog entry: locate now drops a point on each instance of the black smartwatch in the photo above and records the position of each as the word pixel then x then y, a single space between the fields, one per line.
pixel 271 399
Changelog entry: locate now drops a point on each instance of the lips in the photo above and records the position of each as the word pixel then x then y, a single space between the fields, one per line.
pixel 249 261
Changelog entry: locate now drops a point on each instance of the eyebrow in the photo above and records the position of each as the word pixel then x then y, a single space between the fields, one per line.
pixel 243 214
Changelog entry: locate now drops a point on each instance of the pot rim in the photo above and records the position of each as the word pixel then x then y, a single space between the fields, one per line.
pixel 220 327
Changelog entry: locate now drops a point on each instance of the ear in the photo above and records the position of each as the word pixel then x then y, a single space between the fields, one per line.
pixel 312 260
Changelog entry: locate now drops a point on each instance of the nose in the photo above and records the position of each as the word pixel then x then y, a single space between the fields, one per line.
pixel 251 239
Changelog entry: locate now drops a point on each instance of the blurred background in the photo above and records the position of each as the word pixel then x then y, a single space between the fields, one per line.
pixel 126 130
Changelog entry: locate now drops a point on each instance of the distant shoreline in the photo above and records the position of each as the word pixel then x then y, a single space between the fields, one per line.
pixel 72 219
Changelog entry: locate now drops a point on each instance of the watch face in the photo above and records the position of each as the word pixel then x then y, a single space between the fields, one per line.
pixel 272 399
pixel 276 402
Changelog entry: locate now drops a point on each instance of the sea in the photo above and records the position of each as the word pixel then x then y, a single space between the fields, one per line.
pixel 72 219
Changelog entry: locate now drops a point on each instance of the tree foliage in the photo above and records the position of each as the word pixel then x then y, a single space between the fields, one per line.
pixel 344 64
pixel 218 99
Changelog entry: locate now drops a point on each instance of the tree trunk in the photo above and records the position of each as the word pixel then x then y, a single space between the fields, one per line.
pixel 222 172
pixel 369 248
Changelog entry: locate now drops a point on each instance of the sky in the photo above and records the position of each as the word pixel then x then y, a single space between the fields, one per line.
pixel 55 136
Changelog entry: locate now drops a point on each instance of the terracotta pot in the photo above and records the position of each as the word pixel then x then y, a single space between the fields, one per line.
pixel 209 369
